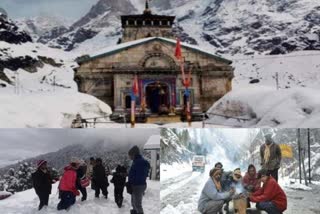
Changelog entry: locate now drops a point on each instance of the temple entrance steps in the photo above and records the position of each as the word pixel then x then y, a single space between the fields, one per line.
pixel 163 119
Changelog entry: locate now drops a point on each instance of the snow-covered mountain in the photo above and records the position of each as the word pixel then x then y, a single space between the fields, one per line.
pixel 229 26
pixel 101 22
pixel 38 26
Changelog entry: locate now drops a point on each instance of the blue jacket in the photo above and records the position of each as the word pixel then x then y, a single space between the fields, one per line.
pixel 139 171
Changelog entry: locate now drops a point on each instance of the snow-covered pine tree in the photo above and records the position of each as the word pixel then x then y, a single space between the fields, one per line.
pixel 11 181
pixel 24 176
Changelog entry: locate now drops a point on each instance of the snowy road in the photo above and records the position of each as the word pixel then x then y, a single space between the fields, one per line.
pixel 182 192
pixel 306 202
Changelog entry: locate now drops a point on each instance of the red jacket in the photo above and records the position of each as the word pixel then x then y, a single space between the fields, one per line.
pixel 68 180
pixel 271 191
pixel 253 181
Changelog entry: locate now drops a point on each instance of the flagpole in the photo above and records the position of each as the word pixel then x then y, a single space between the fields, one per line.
pixel 134 94
pixel 133 104
pixel 185 81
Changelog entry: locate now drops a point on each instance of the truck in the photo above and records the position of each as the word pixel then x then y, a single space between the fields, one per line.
pixel 198 163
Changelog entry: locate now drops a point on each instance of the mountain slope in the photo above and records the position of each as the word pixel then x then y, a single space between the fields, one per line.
pixel 229 26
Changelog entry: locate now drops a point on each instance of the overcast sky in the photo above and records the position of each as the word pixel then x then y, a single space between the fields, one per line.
pixel 19 144
pixel 69 9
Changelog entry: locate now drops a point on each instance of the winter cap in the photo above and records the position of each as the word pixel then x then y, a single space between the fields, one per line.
pixel 214 172
pixel 268 136
pixel 75 160
pixel 134 151
pixel 40 163
pixel 263 172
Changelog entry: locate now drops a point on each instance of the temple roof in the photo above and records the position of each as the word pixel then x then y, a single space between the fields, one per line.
pixel 123 46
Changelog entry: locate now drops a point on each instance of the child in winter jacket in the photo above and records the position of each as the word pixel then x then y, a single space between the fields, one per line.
pixel 68 186
pixel 119 181
pixel 100 179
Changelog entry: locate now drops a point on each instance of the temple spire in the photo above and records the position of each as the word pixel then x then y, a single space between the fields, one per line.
pixel 147 9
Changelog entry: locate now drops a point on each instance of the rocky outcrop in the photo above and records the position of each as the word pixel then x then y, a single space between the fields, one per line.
pixel 10 33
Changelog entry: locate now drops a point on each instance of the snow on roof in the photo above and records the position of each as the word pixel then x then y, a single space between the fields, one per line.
pixel 153 143
pixel 113 49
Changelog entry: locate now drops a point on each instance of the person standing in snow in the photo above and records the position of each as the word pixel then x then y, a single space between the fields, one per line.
pixel 42 183
pixel 250 181
pixel 68 186
pixel 81 176
pixel 270 198
pixel 100 179
pixel 270 154
pixel 212 196
pixel 138 174
pixel 119 181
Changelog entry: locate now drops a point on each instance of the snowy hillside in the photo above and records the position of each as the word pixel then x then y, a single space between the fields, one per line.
pixel 58 159
pixel 27 202
pixel 37 26
pixel 255 100
pixel 36 80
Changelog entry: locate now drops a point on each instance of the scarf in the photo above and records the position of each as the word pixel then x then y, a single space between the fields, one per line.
pixel 267 153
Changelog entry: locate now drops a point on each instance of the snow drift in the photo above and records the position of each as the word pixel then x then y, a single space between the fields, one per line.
pixel 266 107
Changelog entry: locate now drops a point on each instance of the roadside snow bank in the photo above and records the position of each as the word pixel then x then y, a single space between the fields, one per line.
pixel 259 106
pixel 48 110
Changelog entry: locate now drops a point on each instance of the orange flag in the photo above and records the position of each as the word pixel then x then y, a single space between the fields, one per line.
pixel 178 53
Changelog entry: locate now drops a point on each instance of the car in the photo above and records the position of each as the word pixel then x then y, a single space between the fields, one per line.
pixel 198 163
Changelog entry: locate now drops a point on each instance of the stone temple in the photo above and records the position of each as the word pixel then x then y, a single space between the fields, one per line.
pixel 147 50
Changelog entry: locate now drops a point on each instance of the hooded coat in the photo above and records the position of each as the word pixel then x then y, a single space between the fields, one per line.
pixel 271 191
pixel 68 181
pixel 251 180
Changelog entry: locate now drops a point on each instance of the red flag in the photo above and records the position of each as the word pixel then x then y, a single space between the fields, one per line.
pixel 135 87
pixel 178 53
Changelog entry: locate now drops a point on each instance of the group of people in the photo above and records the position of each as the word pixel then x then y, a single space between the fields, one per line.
pixel 222 187
pixel 78 175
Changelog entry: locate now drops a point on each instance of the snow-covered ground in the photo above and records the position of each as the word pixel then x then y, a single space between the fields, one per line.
pixel 293 104
pixel 27 202
pixel 48 110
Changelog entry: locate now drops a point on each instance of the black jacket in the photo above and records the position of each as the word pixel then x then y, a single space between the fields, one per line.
pixel 42 182
pixel 119 179
pixel 99 175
